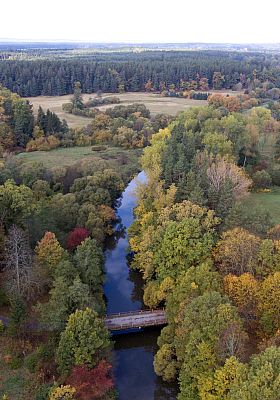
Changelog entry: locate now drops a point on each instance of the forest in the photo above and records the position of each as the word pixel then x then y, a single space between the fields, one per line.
pixel 53 73
pixel 206 255
pixel 53 225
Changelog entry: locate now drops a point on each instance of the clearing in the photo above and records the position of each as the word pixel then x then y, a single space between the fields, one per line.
pixel 64 156
pixel 154 102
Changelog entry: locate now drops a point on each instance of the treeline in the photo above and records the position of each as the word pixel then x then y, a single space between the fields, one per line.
pixel 117 72
pixel 18 125
pixel 125 126
pixel 209 256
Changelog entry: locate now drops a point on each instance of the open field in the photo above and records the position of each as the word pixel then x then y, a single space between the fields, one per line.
pixel 154 102
pixel 269 201
pixel 70 155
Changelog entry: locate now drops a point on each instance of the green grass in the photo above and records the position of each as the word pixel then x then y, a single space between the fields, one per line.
pixel 14 383
pixel 70 155
pixel 269 201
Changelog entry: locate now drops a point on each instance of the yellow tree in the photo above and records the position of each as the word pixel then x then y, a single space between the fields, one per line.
pixel 269 305
pixel 237 252
pixel 217 387
pixel 243 290
pixel 49 252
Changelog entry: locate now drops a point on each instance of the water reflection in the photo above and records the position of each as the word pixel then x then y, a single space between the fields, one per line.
pixel 120 292
pixel 134 352
pixel 134 368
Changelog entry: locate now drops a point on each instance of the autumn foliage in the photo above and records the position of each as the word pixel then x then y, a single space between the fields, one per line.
pixel 93 383
pixel 243 290
pixel 63 393
pixel 236 252
pixel 76 237
pixel 49 251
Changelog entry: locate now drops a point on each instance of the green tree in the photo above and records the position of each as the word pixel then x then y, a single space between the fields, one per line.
pixel 77 99
pixel 218 386
pixel 17 317
pixel 262 380
pixel 16 203
pixel 64 299
pixel 89 262
pixel 85 340
pixel 23 122
pixel 206 317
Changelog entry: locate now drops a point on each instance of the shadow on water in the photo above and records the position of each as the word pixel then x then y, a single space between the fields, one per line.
pixel 134 373
pixel 134 352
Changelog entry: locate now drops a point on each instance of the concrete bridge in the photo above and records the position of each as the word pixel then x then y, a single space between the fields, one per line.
pixel 135 319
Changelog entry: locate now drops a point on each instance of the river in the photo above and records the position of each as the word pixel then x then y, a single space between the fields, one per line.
pixel 133 352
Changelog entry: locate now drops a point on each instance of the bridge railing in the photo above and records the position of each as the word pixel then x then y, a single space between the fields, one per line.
pixel 132 325
pixel 134 312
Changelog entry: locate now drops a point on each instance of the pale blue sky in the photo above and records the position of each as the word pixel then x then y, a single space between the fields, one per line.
pixel 239 21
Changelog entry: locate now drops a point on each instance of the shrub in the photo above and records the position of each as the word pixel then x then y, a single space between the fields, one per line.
pixel 63 393
pixel 98 148
pixel 261 179
pixel 43 144
pixel 67 107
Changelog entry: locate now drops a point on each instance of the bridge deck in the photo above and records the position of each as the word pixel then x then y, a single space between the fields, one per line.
pixel 135 319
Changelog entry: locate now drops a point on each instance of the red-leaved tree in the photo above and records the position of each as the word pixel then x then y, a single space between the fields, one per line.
pixel 93 383
pixel 76 237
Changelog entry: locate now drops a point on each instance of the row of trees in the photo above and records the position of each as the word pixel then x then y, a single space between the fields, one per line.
pixel 218 280
pixel 117 72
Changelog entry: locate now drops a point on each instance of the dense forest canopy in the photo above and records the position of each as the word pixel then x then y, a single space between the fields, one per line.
pixel 37 73
pixel 208 257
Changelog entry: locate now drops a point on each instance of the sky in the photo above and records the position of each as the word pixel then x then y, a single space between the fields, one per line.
pixel 142 21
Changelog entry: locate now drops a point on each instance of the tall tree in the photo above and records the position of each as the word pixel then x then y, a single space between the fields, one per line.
pixel 77 99
pixel 21 281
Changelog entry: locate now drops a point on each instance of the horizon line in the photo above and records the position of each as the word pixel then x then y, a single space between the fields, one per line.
pixel 15 40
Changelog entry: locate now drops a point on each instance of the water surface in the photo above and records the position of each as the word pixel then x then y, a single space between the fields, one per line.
pixel 134 352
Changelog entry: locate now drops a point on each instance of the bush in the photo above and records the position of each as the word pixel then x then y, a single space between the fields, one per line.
pixel 261 180
pixel 43 144
pixel 67 107
pixel 99 148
